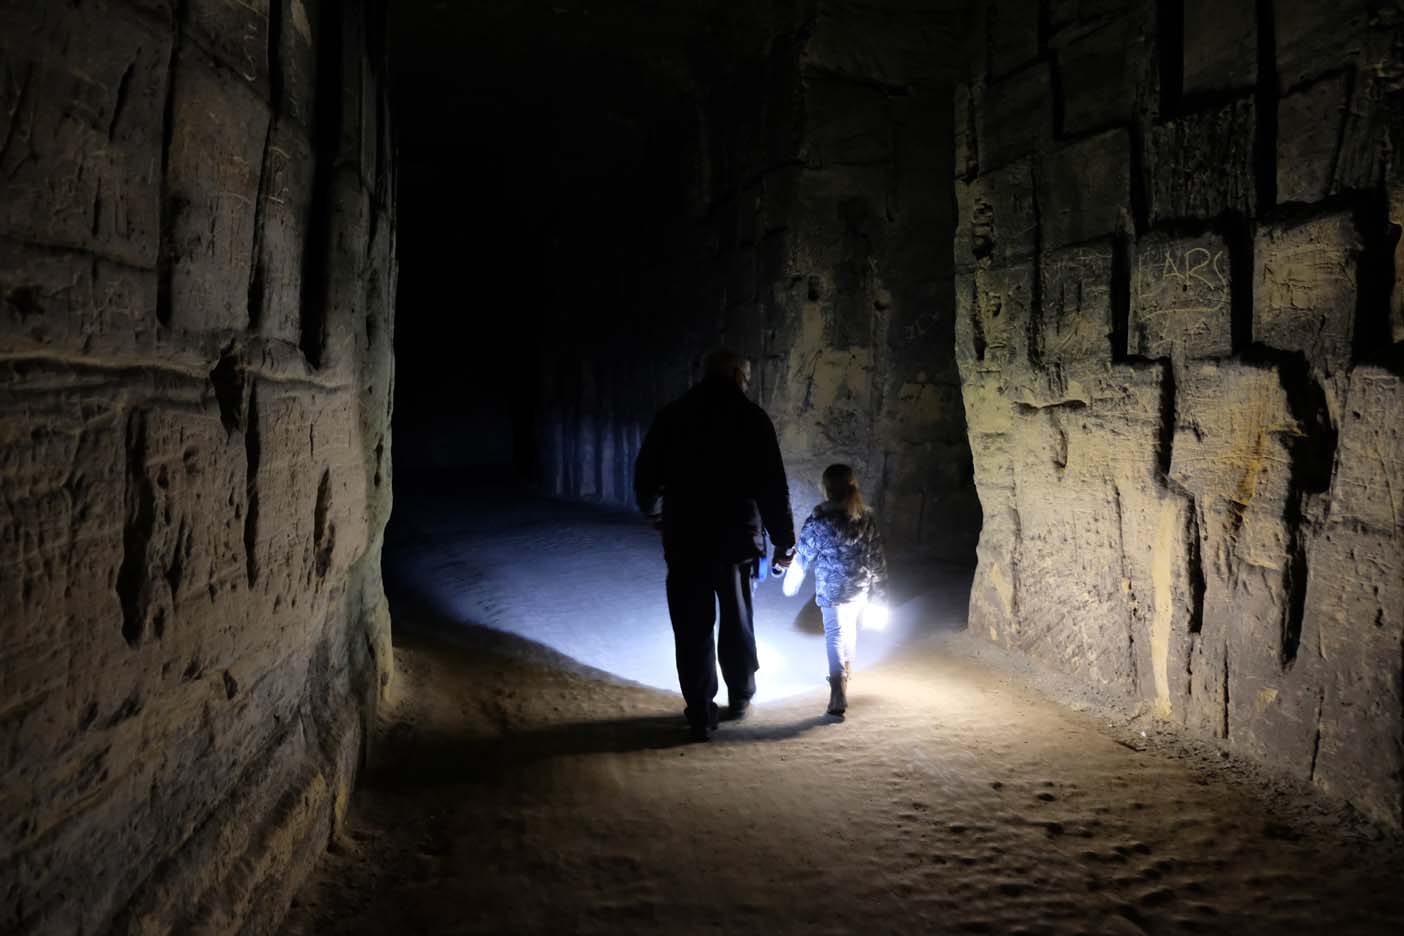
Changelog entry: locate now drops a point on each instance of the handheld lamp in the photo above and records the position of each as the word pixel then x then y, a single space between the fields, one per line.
pixel 876 616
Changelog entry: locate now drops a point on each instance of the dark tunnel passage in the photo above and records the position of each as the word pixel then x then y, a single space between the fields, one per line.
pixel 330 332
pixel 539 169
pixel 536 173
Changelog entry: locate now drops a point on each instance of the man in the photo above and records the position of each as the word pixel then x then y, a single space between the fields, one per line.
pixel 711 478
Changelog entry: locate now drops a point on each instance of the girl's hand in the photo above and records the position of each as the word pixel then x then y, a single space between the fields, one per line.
pixel 794 577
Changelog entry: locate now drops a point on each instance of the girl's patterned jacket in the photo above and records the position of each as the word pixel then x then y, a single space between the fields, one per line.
pixel 845 553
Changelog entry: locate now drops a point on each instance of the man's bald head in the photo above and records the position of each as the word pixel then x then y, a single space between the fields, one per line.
pixel 726 364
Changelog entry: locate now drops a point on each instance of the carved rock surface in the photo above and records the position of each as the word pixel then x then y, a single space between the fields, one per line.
pixel 194 628
pixel 1181 298
pixel 1076 319
pixel 1186 431
pixel 1097 75
pixel 1200 165
pixel 1086 190
pixel 1220 45
pixel 1305 288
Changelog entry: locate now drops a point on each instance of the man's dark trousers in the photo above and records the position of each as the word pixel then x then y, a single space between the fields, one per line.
pixel 697 589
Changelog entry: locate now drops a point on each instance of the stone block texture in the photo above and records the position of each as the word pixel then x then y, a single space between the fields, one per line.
pixel 1179 340
pixel 824 255
pixel 196 281
pixel 1181 298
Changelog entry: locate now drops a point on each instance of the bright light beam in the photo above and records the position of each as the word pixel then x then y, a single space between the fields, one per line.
pixel 876 616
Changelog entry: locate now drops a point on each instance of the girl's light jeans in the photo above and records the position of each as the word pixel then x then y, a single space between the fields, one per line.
pixel 841 632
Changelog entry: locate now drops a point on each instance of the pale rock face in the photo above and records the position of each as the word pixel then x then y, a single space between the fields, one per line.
pixel 193 441
pixel 1183 403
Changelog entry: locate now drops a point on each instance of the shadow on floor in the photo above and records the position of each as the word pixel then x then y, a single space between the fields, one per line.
pixel 410 758
pixel 809 619
pixel 419 623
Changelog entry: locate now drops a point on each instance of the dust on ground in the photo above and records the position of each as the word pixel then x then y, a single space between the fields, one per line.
pixel 510 789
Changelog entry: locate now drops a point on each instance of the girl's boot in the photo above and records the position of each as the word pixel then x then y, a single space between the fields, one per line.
pixel 838 693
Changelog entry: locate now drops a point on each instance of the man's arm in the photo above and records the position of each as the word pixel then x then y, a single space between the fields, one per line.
pixel 648 472
pixel 774 494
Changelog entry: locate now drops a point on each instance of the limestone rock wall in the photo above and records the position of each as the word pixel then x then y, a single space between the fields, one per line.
pixel 820 246
pixel 1178 333
pixel 196 283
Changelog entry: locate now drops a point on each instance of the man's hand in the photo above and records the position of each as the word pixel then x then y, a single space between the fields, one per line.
pixel 782 560
pixel 794 578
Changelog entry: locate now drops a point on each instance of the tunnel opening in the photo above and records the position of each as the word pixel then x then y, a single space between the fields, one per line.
pixel 601 200
pixel 591 201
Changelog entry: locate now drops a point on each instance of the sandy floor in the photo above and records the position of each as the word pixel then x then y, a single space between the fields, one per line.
pixel 514 790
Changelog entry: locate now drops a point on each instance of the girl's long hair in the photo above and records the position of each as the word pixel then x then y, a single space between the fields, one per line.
pixel 841 487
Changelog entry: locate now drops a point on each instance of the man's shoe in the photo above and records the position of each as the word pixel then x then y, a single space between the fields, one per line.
pixel 738 710
pixel 702 730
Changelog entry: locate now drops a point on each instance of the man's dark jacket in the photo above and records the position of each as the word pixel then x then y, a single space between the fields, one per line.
pixel 710 466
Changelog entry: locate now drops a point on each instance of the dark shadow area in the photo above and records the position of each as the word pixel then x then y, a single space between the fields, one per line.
pixel 810 619
pixel 414 761
pixel 427 627
pixel 538 154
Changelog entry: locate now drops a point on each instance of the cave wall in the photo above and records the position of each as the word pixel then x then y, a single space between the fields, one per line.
pixel 820 247
pixel 196 284
pixel 1178 334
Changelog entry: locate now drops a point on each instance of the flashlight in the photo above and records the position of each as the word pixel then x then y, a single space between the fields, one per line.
pixel 875 616
pixel 794 577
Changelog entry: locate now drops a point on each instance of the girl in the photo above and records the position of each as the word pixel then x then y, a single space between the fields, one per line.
pixel 840 542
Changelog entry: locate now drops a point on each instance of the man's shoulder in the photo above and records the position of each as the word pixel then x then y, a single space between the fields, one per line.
pixel 672 409
pixel 703 396
pixel 703 406
pixel 677 415
pixel 755 414
pixel 755 408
